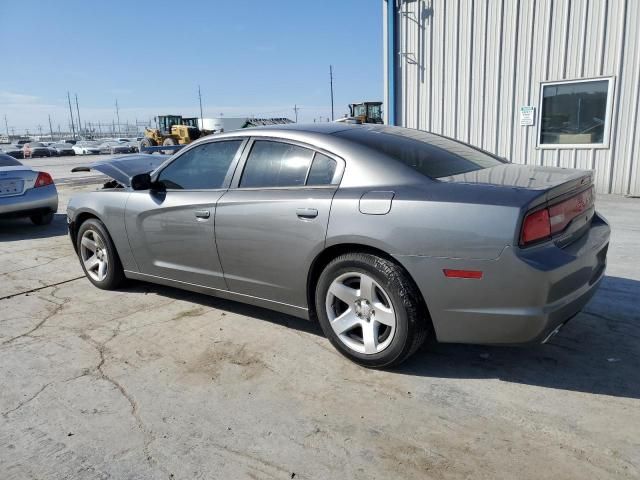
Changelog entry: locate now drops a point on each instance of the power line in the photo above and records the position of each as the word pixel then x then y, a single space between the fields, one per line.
pixel 201 118
pixel 118 115
pixel 331 84
pixel 73 128
pixel 79 122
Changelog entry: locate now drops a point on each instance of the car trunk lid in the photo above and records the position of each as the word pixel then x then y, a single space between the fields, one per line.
pixel 567 194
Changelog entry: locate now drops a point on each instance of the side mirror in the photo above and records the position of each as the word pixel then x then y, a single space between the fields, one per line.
pixel 142 181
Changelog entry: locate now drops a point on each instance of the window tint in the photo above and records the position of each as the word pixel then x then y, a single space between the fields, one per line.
pixel 431 155
pixel 202 167
pixel 275 164
pixel 574 113
pixel 7 161
pixel 322 170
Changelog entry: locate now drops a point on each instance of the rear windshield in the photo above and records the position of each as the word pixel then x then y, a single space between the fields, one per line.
pixel 427 153
pixel 7 161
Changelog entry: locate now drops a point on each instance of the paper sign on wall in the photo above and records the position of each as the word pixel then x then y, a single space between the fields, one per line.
pixel 527 115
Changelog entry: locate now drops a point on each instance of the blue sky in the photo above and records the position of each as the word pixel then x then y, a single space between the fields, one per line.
pixel 249 57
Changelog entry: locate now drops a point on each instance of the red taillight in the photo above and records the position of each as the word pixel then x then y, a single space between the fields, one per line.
pixel 543 223
pixel 43 179
pixel 535 227
pixel 561 214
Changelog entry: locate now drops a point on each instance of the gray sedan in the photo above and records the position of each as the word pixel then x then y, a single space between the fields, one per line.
pixel 385 235
pixel 25 192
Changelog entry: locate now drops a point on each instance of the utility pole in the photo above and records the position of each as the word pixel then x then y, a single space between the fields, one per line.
pixel 73 128
pixel 331 84
pixel 78 111
pixel 295 110
pixel 118 116
pixel 201 118
pixel 50 128
pixel 6 125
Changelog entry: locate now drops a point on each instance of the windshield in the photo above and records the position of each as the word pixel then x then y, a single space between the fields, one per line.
pixel 429 154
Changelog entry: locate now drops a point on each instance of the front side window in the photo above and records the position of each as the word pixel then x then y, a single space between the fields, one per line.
pixel 201 168
pixel 275 164
pixel 574 113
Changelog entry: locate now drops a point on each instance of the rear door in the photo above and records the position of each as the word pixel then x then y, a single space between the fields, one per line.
pixel 172 232
pixel 273 221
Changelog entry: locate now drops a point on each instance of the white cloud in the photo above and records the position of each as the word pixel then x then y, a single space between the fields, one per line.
pixel 11 98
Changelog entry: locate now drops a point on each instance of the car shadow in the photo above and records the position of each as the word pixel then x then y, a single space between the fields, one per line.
pixel 229 306
pixel 12 229
pixel 596 352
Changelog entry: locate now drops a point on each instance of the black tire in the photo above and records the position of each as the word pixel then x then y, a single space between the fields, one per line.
pixel 169 141
pixel 147 142
pixel 42 218
pixel 114 277
pixel 412 318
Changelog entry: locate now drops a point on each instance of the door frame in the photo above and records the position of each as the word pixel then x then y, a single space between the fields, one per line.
pixel 246 151
pixel 230 172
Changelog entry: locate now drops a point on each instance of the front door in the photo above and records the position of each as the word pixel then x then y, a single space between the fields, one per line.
pixel 273 224
pixel 172 232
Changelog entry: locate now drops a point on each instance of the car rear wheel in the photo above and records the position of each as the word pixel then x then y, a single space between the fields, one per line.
pixel 42 218
pixel 98 255
pixel 370 310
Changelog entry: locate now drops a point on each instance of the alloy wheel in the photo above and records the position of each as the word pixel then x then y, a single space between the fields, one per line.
pixel 94 255
pixel 360 313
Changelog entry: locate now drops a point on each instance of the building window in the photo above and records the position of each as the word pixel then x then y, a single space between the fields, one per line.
pixel 575 113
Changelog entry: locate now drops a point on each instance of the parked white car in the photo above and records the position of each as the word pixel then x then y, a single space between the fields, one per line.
pixel 87 148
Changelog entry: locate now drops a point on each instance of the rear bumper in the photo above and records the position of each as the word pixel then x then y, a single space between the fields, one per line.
pixel 35 200
pixel 523 296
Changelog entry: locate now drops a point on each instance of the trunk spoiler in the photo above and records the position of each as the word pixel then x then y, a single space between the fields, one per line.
pixel 121 169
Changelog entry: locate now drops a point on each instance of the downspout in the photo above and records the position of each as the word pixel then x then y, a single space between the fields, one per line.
pixel 391 61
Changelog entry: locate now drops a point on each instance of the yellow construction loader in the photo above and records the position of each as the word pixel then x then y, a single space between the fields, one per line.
pixel 171 130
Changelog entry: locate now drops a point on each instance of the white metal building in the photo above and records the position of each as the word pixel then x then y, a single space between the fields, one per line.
pixel 546 82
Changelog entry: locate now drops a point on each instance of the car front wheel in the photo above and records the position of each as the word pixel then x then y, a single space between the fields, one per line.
pixel 98 255
pixel 370 310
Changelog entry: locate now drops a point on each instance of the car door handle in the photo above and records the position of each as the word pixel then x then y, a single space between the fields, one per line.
pixel 202 213
pixel 307 212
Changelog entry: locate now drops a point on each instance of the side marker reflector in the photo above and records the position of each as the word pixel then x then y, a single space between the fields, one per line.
pixel 476 274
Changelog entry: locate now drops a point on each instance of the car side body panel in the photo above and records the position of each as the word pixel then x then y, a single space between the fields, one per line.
pixel 109 207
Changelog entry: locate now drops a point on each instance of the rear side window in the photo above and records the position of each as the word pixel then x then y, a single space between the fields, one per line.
pixel 201 168
pixel 322 170
pixel 7 161
pixel 431 155
pixel 275 164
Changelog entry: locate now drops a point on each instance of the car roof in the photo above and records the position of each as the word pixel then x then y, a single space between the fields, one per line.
pixel 367 167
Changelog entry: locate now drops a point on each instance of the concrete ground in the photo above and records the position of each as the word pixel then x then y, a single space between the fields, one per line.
pixel 151 382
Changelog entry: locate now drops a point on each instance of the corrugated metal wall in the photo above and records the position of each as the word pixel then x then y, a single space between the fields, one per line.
pixel 465 67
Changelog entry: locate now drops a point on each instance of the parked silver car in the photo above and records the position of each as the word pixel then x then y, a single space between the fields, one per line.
pixel 385 235
pixel 25 192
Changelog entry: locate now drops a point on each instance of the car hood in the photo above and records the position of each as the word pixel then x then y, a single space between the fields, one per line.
pixel 121 169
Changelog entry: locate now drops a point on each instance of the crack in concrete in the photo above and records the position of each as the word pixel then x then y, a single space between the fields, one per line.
pixel 101 348
pixel 28 400
pixel 50 315
pixel 37 289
